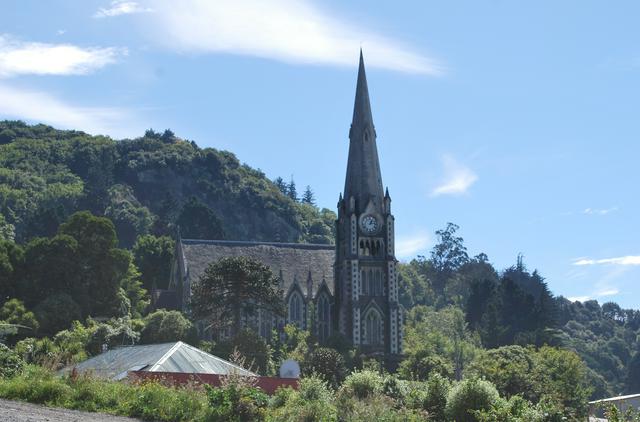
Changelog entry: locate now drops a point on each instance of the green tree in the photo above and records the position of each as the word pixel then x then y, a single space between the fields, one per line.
pixel 291 190
pixel 251 347
pixel 233 287
pixel 447 256
pixel 469 396
pixel 100 265
pixel 437 342
pixel 281 185
pixel 509 368
pixel 56 313
pixel 308 196
pixel 325 363
pixel 14 312
pixel 164 326
pixel 153 256
pixel 633 374
pixel 129 216
pixel 561 377
pixel 11 261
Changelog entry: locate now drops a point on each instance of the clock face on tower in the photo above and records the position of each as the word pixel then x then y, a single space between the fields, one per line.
pixel 369 224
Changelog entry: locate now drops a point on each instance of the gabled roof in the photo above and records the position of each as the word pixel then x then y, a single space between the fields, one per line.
pixel 293 261
pixel 166 357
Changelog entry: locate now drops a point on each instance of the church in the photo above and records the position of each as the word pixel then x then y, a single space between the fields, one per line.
pixel 350 288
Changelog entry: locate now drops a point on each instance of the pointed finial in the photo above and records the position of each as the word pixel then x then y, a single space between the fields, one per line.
pixel 386 192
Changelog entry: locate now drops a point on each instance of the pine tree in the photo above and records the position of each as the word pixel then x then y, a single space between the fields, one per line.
pixel 280 183
pixel 291 190
pixel 308 197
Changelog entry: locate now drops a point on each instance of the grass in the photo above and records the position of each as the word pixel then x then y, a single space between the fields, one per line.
pixel 148 401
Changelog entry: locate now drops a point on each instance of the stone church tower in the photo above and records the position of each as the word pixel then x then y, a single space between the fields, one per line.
pixel 366 287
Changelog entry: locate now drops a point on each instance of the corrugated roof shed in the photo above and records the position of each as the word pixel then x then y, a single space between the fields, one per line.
pixel 167 357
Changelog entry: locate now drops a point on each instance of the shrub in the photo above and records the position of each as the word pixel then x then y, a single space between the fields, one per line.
pixel 164 326
pixel 375 408
pixel 326 363
pixel 516 409
pixel 362 384
pixel 468 396
pixel 40 351
pixel 395 388
pixel 36 385
pixel 313 402
pixel 11 364
pixel 430 396
pixel 236 403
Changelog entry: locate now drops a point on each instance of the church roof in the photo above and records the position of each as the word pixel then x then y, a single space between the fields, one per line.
pixel 165 357
pixel 293 261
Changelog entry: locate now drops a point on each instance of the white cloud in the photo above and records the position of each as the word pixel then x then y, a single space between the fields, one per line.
pixel 41 107
pixel 21 58
pixel 622 260
pixel 595 211
pixel 121 7
pixel 409 246
pixel 294 31
pixel 608 292
pixel 457 178
pixel 579 298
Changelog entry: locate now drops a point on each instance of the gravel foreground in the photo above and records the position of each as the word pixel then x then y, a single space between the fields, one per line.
pixel 15 411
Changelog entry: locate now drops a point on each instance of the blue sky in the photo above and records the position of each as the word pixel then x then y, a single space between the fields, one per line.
pixel 518 121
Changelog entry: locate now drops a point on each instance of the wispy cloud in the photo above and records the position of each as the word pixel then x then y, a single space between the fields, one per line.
pixel 622 260
pixel 121 7
pixel 42 107
pixel 409 246
pixel 608 292
pixel 457 178
pixel 596 211
pixel 23 58
pixel 294 31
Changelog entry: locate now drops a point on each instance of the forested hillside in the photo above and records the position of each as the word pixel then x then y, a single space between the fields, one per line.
pixel 147 185
pixel 87 229
pixel 497 309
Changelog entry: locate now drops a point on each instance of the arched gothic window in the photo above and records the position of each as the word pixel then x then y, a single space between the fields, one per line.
pixel 373 328
pixel 296 314
pixel 324 317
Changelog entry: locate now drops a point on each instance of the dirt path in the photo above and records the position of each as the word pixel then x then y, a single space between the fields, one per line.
pixel 15 411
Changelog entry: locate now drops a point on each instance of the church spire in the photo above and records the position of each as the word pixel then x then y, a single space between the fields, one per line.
pixel 363 181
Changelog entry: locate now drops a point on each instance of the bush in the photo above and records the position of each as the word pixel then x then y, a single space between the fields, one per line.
pixel 326 363
pixel 375 408
pixel 313 402
pixel 11 364
pixel 234 403
pixel 395 389
pixel 516 409
pixel 362 384
pixel 468 396
pixel 430 396
pixel 166 326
